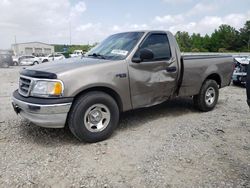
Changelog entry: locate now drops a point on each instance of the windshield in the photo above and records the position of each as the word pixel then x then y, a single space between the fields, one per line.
pixel 116 47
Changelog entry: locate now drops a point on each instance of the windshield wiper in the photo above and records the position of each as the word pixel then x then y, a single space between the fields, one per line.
pixel 97 55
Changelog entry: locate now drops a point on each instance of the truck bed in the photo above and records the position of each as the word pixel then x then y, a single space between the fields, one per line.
pixel 198 67
pixel 188 57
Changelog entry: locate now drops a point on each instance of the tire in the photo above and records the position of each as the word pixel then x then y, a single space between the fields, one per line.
pixel 15 63
pixel 84 111
pixel 207 99
pixel 44 61
pixel 35 63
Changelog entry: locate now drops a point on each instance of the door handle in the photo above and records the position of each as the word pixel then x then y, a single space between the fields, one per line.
pixel 171 69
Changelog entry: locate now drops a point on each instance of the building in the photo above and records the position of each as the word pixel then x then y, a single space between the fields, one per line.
pixel 32 48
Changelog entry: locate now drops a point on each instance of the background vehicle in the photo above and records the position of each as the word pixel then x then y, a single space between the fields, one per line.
pixel 126 71
pixel 240 73
pixel 52 57
pixel 17 59
pixel 28 60
pixel 248 85
pixel 5 58
pixel 76 53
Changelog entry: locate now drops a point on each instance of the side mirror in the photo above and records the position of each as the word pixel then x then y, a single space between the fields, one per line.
pixel 145 54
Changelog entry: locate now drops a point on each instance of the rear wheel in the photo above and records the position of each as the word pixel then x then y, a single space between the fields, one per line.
pixel 207 99
pixel 35 63
pixel 93 117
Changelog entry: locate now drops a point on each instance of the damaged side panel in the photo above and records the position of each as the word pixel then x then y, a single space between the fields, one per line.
pixel 150 83
pixel 153 81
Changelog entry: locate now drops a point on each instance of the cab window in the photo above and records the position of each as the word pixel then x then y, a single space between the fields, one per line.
pixel 158 43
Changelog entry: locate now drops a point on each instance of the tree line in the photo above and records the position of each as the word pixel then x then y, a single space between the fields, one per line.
pixel 224 39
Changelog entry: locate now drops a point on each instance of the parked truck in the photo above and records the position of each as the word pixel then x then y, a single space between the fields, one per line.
pixel 240 72
pixel 126 71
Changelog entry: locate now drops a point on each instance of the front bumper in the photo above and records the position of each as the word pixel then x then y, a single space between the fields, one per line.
pixel 42 114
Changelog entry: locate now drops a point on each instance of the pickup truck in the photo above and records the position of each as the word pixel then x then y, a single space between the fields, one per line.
pixel 240 72
pixel 126 71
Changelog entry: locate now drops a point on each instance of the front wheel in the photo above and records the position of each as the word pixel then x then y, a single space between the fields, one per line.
pixel 207 99
pixel 93 117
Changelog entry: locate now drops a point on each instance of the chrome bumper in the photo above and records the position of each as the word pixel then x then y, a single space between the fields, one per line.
pixel 50 116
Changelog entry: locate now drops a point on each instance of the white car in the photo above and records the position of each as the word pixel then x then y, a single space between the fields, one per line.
pixel 52 57
pixel 28 60
pixel 76 53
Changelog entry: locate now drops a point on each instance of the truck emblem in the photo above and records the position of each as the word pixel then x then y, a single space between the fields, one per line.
pixel 121 75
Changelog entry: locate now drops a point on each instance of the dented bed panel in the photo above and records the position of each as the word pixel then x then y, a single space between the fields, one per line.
pixel 197 69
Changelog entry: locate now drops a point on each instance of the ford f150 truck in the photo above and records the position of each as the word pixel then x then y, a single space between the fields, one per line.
pixel 126 71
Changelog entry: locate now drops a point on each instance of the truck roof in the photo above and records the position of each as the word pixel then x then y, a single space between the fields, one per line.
pixel 147 31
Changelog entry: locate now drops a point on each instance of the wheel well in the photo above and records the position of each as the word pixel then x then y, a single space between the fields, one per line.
pixel 106 90
pixel 215 77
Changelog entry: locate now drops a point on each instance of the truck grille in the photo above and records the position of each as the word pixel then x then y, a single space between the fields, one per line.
pixel 24 86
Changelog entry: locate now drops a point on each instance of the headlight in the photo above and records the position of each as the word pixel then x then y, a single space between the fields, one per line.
pixel 42 88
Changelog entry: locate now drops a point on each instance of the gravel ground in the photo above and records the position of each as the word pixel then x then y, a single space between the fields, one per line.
pixel 169 145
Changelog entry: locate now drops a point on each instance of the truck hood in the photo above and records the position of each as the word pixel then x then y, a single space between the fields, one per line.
pixel 62 66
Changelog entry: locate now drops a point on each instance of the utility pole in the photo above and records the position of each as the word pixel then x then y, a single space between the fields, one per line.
pixel 15 46
pixel 70 32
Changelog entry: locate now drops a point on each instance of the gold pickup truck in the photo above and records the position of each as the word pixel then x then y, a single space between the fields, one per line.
pixel 126 71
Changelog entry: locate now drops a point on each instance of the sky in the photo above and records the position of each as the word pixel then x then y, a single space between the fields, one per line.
pixel 90 21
